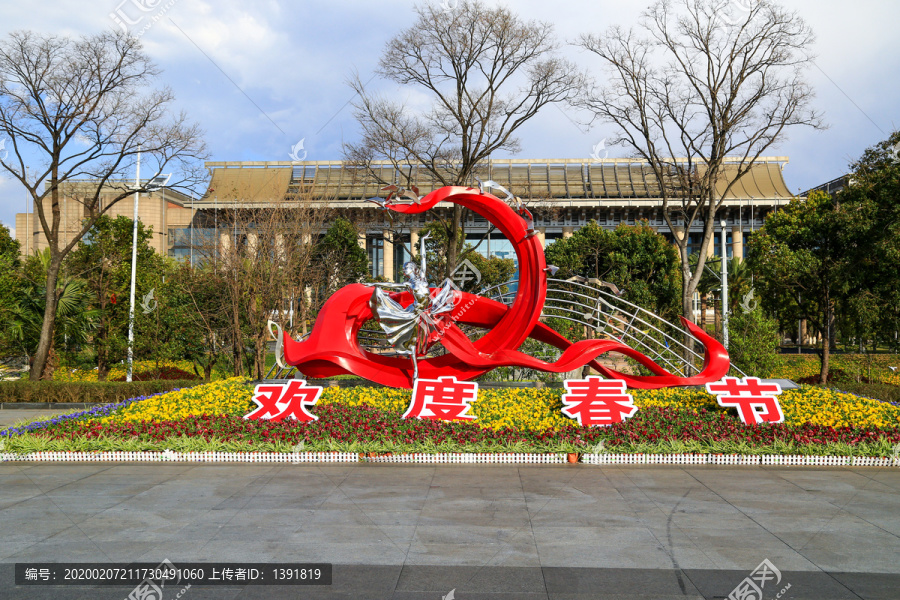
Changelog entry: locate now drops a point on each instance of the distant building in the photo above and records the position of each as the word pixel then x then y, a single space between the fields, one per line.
pixel 161 210
pixel 831 188
pixel 563 194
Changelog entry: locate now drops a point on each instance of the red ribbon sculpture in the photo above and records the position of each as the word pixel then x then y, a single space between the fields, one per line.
pixel 333 348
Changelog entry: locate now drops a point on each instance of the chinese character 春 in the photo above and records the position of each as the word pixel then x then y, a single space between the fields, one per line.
pixel 289 401
pixel 443 398
pixel 595 401
pixel 756 401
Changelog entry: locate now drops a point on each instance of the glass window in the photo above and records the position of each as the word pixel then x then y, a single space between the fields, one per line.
pixel 718 244
pixel 401 255
pixel 375 249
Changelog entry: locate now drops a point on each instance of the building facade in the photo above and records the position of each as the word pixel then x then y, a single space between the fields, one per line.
pixel 163 211
pixel 563 194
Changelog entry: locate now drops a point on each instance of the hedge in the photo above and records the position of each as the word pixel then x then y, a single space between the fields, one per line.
pixel 85 391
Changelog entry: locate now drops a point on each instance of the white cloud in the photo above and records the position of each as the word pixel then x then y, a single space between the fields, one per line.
pixel 293 59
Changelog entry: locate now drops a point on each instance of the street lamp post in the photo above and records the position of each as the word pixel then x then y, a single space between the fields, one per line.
pixel 157 182
pixel 724 288
pixel 134 235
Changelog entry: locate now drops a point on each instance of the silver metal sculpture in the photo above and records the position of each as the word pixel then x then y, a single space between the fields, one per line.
pixel 408 328
pixel 279 370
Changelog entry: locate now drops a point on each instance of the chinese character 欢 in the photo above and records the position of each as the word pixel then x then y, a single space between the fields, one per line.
pixel 287 401
pixel 443 398
pixel 596 401
pixel 756 401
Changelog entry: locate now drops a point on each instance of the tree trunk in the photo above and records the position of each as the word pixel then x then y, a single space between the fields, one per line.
pixel 101 341
pixel 42 353
pixel 703 307
pixel 102 357
pixel 826 343
pixel 260 359
pixel 304 313
pixel 50 365
pixel 687 304
pixel 832 332
pixel 237 341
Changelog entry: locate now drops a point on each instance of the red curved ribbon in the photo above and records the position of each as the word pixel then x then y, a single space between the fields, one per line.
pixel 333 348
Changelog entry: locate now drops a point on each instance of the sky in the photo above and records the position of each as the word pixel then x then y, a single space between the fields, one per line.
pixel 259 77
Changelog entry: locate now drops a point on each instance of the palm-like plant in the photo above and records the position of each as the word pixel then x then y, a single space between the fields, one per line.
pixel 74 318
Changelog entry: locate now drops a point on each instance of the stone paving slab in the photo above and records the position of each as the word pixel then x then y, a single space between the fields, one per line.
pixel 411 531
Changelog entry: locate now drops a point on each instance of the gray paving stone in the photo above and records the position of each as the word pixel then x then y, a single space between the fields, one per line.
pixel 398 531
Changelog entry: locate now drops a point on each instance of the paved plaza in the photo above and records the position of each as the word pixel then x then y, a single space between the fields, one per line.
pixel 418 532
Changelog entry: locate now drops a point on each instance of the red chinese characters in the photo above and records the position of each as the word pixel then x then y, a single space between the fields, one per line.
pixel 285 401
pixel 443 398
pixel 756 401
pixel 595 401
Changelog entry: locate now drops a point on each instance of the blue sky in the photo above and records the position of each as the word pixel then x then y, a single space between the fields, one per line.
pixel 261 76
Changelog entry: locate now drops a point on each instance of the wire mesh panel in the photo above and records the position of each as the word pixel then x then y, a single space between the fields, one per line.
pixel 602 313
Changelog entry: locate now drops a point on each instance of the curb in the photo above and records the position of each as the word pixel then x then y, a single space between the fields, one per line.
pixel 457 458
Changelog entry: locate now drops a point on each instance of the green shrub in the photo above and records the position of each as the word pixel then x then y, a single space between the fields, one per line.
pixel 754 342
pixel 84 391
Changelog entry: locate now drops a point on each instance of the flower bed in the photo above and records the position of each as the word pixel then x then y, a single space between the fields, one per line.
pixel 518 408
pixel 365 419
pixel 141 370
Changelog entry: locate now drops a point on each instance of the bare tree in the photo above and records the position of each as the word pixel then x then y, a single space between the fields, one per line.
pixel 82 110
pixel 263 255
pixel 700 92
pixel 487 72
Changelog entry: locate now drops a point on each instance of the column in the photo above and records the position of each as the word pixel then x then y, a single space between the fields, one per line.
pixel 388 255
pixel 224 240
pixel 361 239
pixel 541 234
pixel 414 240
pixel 737 242
pixel 568 231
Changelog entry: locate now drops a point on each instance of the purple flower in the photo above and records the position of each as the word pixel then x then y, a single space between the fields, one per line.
pixel 104 410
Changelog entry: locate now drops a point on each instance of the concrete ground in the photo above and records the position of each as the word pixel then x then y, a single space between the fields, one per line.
pixel 418 532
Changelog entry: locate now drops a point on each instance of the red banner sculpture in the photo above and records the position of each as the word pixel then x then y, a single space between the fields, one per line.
pixel 332 347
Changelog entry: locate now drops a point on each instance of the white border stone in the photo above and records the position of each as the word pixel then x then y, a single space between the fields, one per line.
pixel 457 458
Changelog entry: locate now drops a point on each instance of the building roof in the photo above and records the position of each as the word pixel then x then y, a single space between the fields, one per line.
pixel 550 179
pixel 831 187
pixel 250 185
